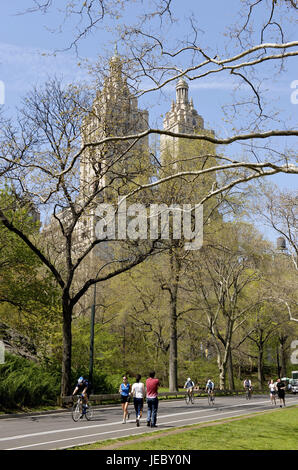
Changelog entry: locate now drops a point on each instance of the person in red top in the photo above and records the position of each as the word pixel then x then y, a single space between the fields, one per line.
pixel 152 385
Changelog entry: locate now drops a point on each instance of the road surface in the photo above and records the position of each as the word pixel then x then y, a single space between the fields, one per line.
pixel 59 431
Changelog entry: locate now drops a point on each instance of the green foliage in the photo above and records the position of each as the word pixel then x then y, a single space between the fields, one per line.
pixel 28 294
pixel 27 384
pixel 106 346
pixel 102 383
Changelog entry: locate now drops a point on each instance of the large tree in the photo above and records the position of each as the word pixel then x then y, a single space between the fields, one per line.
pixel 254 143
pixel 221 282
pixel 51 124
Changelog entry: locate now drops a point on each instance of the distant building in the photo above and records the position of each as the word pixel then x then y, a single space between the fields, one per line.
pixel 114 112
pixel 179 154
pixel 281 245
pixel 113 167
pixel 182 118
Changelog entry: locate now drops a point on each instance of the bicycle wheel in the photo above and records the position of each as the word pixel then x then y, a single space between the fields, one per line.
pixel 209 399
pixel 192 399
pixel 187 399
pixel 76 411
pixel 89 412
pixel 212 399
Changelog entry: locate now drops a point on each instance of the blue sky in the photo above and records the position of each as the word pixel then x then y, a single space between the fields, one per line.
pixel 26 59
pixel 27 45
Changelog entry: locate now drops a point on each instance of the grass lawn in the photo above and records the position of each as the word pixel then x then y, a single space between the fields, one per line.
pixel 277 430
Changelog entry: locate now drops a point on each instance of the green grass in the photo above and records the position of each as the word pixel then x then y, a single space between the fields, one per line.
pixel 277 430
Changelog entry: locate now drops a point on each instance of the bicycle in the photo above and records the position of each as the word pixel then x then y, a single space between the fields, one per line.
pixel 248 393
pixel 189 398
pixel 78 411
pixel 211 397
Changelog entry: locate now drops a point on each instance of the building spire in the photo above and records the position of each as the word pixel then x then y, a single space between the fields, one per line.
pixel 115 59
pixel 182 91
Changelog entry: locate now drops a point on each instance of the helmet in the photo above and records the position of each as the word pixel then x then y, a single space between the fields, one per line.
pixel 188 379
pixel 80 380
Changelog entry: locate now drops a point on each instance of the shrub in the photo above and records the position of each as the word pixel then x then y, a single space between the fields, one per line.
pixel 25 383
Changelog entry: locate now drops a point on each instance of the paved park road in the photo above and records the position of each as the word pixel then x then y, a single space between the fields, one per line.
pixel 59 431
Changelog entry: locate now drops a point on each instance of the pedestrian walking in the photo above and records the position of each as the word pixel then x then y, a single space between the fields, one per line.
pixel 152 385
pixel 138 393
pixel 273 391
pixel 281 391
pixel 124 391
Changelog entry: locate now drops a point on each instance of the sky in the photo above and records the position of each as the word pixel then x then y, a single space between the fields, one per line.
pixel 27 59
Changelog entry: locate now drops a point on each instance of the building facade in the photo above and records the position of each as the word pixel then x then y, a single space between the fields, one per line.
pixel 182 154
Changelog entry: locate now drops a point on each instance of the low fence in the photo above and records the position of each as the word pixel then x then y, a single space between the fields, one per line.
pixel 115 397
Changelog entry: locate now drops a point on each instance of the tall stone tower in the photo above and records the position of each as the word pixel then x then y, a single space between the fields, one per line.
pixel 114 112
pixel 111 168
pixel 181 118
pixel 182 154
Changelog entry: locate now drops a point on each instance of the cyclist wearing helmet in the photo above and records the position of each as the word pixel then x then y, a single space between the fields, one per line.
pixel 247 385
pixel 83 388
pixel 209 386
pixel 189 385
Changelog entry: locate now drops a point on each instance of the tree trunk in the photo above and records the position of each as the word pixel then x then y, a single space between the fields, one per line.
pixel 66 353
pixel 260 366
pixel 222 377
pixel 283 362
pixel 282 341
pixel 222 371
pixel 277 361
pixel 173 351
pixel 230 371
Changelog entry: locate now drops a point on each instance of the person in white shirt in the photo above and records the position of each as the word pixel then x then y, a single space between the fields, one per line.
pixel 138 393
pixel 209 385
pixel 247 384
pixel 189 385
pixel 273 391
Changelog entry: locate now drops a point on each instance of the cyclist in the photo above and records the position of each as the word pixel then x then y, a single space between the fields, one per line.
pixel 247 386
pixel 189 385
pixel 83 388
pixel 210 387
